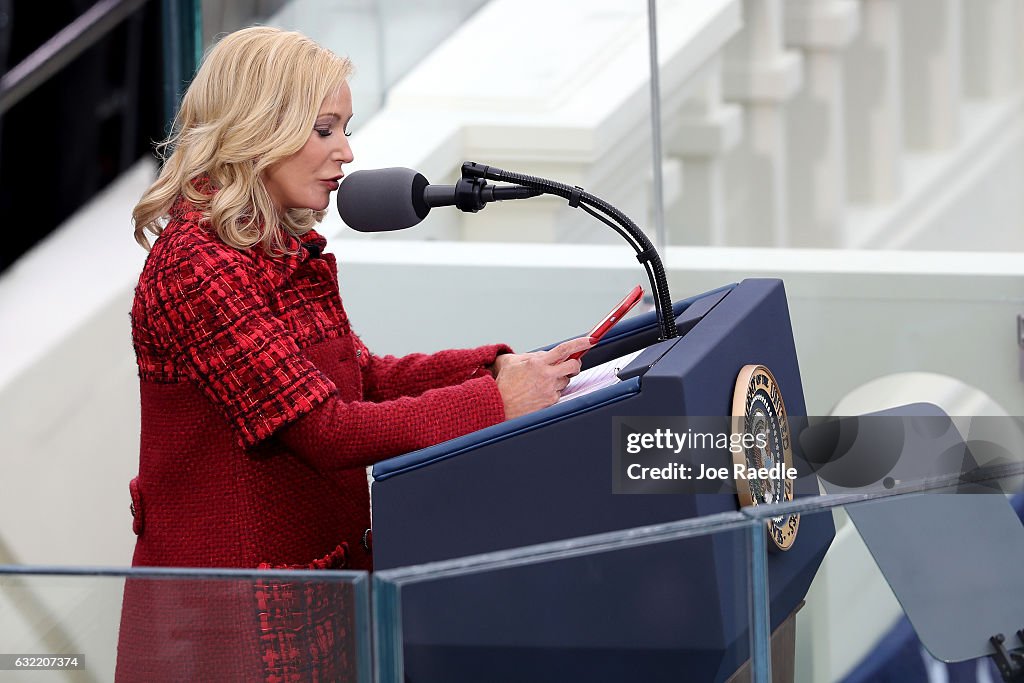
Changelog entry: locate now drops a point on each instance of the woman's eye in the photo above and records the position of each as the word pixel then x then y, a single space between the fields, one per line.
pixel 323 132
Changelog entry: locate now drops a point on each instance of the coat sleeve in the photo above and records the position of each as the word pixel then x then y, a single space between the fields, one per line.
pixel 388 377
pixel 244 359
pixel 338 435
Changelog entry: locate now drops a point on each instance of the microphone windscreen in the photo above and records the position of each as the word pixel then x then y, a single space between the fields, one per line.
pixel 382 199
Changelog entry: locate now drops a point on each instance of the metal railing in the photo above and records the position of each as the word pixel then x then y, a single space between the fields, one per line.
pixel 58 51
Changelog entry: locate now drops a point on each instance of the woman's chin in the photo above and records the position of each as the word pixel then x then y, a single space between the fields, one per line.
pixel 320 204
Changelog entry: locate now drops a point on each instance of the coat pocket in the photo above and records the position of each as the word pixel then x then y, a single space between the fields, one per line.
pixel 307 627
pixel 336 559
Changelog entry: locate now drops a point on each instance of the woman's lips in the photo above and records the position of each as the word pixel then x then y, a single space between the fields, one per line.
pixel 331 184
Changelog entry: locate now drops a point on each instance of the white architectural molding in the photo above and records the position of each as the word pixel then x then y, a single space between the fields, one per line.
pixel 762 76
pixel 816 120
pixel 874 106
pixel 990 66
pixel 962 197
pixel 571 103
pixel 932 72
pixel 700 135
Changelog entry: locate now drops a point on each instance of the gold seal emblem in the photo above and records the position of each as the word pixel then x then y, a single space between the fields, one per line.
pixel 759 415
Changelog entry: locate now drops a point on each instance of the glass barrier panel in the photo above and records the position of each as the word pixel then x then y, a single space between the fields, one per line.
pixel 905 594
pixel 178 624
pixel 659 603
pixel 806 138
pixel 385 39
pixel 924 568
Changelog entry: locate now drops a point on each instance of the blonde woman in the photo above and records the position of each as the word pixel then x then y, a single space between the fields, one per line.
pixel 260 405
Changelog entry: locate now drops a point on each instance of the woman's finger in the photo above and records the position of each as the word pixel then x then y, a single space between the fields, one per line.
pixel 568 368
pixel 566 349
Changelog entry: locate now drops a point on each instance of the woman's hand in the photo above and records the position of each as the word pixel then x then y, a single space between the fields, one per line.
pixel 531 381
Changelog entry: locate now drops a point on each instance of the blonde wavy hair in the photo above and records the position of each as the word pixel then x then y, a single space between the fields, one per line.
pixel 252 104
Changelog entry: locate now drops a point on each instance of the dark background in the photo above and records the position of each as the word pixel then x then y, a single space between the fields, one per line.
pixel 80 129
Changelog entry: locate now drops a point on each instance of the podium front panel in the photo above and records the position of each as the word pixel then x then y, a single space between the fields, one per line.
pixel 548 476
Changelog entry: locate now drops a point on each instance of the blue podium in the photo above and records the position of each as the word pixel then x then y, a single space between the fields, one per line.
pixel 664 612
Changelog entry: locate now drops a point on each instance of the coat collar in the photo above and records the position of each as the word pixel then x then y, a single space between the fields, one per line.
pixel 280 268
pixel 183 209
pixel 277 268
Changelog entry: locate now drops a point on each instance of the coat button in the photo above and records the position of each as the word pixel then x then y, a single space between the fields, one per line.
pixel 368 540
pixel 136 506
pixel 359 352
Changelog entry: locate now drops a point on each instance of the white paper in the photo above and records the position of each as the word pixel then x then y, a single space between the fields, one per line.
pixel 597 377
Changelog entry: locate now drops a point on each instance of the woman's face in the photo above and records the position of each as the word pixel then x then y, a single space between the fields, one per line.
pixel 306 179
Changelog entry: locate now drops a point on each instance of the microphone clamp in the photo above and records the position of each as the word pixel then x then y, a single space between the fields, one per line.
pixel 472 194
pixel 468 194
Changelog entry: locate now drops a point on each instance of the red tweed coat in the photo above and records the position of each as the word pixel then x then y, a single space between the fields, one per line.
pixel 260 410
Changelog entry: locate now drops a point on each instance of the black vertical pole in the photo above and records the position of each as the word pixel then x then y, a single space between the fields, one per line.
pixel 182 34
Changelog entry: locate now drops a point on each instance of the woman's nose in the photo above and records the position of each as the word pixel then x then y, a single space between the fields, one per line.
pixel 344 155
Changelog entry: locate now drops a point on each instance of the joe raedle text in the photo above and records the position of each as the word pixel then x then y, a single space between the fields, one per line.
pixel 688 455
pixel 636 471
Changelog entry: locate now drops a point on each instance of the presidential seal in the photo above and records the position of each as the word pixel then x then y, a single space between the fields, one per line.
pixel 759 414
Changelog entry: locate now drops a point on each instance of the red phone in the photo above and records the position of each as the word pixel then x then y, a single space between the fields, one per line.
pixel 613 317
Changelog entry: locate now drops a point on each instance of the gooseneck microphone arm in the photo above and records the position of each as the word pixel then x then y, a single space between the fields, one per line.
pixel 396 198
pixel 577 197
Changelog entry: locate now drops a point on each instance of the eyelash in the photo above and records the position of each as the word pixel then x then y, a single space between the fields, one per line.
pixel 327 132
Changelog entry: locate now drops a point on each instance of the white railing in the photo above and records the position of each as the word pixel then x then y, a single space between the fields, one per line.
pixel 808 123
pixel 557 89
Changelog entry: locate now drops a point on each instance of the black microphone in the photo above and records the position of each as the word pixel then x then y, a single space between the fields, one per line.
pixel 386 199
